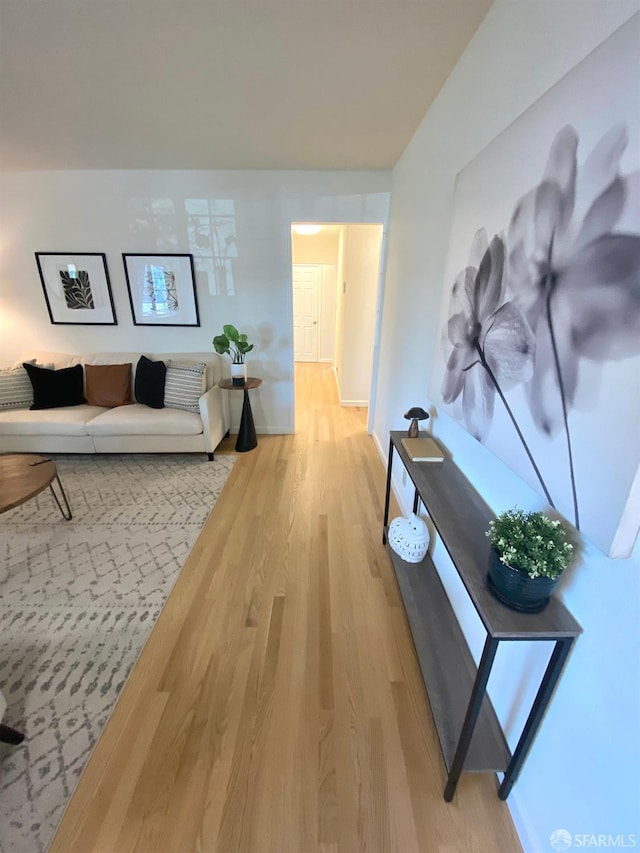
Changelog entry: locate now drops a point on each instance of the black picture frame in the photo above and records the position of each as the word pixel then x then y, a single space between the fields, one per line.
pixel 76 288
pixel 162 289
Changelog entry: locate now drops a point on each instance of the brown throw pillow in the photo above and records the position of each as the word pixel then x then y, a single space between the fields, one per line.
pixel 108 385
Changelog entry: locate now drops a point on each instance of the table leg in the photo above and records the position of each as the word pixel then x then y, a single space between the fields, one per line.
pixel 247 438
pixel 9 735
pixel 387 494
pixel 471 718
pixel 545 691
pixel 65 511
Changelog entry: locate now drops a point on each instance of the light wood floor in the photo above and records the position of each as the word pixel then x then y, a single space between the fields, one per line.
pixel 278 705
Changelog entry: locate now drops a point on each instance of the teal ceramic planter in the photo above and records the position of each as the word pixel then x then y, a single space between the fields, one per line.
pixel 516 589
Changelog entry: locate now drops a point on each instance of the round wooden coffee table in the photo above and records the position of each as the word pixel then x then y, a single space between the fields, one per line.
pixel 23 476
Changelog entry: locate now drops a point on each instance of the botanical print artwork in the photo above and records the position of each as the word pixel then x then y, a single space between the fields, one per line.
pixel 577 278
pixel 569 290
pixel 77 288
pixel 540 332
pixel 162 289
pixel 491 345
pixel 160 294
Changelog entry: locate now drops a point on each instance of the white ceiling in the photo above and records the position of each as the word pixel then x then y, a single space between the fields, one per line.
pixel 222 84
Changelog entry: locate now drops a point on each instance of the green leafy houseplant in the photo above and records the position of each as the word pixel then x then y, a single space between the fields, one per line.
pixel 531 542
pixel 233 344
pixel 531 552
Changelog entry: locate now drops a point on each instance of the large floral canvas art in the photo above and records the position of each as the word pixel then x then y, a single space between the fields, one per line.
pixel 539 352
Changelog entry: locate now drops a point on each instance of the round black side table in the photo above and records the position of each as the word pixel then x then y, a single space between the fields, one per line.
pixel 247 438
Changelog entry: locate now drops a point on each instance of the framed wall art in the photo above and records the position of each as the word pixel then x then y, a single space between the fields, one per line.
pixel 162 289
pixel 540 331
pixel 76 288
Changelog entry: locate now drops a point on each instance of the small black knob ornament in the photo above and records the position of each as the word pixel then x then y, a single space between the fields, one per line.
pixel 414 415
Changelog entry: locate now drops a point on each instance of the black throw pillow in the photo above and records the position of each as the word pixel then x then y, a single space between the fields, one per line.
pixel 55 388
pixel 149 384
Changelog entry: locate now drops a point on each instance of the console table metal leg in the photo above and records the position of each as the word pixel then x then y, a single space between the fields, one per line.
pixel 471 717
pixel 545 691
pixel 387 495
pixel 65 511
pixel 416 502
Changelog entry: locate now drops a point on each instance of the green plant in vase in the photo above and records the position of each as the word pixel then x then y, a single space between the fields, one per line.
pixel 530 552
pixel 236 345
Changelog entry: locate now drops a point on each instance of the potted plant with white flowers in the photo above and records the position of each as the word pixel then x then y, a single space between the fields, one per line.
pixel 235 345
pixel 530 552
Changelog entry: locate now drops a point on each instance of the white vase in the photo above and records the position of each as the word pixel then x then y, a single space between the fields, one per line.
pixel 238 374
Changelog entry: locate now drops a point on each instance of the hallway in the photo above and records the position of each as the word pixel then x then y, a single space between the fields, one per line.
pixel 278 705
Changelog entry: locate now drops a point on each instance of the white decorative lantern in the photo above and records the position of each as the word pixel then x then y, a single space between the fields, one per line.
pixel 409 538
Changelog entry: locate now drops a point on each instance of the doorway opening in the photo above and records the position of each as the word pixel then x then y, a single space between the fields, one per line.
pixel 336 274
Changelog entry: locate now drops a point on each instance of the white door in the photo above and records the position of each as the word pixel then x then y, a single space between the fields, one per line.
pixel 306 285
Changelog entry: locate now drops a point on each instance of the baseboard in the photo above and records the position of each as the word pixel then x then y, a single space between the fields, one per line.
pixel 526 833
pixel 381 451
pixel 384 456
pixel 335 376
pixel 361 403
pixel 265 430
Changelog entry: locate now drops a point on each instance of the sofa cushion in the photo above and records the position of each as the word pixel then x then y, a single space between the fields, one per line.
pixel 55 388
pixel 16 390
pixel 71 420
pixel 149 382
pixel 216 364
pixel 108 385
pixel 185 384
pixel 139 419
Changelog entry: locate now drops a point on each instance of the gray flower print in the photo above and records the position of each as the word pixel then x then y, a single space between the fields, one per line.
pixel 576 277
pixel 578 282
pixel 489 341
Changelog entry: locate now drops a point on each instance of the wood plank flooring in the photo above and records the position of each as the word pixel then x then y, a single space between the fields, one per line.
pixel 278 706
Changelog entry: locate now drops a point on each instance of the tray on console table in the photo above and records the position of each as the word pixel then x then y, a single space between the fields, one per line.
pixel 470 735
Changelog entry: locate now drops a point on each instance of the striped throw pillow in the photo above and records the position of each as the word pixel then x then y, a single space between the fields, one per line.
pixel 184 385
pixel 16 390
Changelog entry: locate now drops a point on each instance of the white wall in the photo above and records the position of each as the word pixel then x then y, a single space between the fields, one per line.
pixel 320 248
pixel 327 318
pixel 139 211
pixel 361 259
pixel 582 773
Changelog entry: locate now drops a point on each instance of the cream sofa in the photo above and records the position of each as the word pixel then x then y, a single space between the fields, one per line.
pixel 133 428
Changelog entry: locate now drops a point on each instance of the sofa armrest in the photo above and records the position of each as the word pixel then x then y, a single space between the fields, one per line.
pixel 214 411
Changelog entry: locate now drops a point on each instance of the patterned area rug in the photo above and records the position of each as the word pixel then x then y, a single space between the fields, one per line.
pixel 78 600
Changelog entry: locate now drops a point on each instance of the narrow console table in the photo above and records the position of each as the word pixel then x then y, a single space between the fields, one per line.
pixel 471 738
